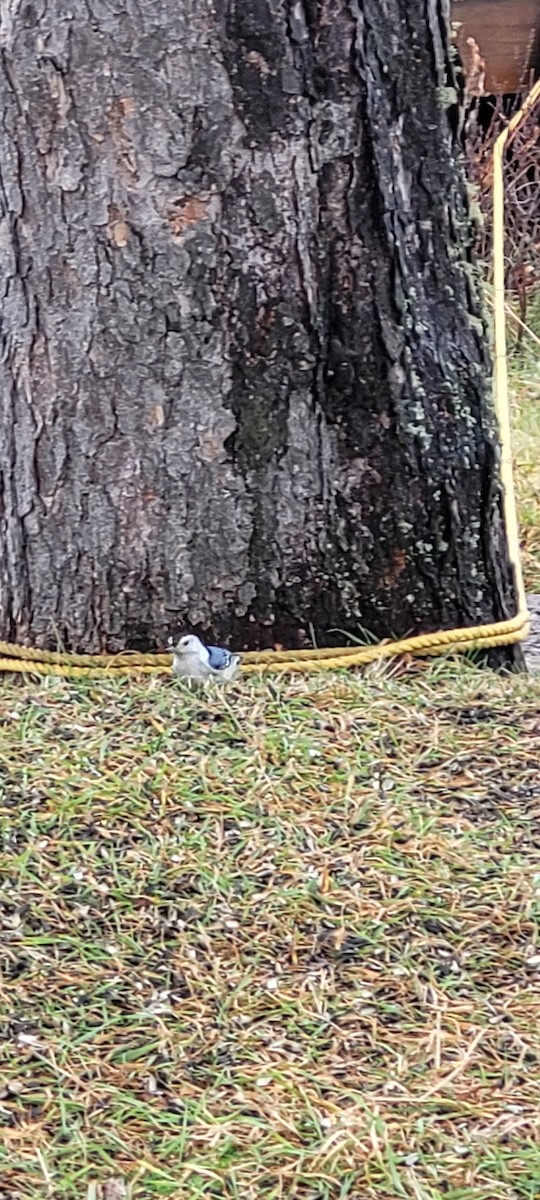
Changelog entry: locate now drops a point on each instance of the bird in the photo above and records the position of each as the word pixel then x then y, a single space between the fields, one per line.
pixel 198 663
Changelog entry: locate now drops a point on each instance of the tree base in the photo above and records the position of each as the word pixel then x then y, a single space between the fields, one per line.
pixel 503 658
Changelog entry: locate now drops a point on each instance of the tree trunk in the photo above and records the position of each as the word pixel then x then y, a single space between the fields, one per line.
pixel 245 384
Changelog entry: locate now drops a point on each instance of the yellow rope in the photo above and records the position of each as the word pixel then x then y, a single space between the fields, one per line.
pixel 499 633
pixel 477 637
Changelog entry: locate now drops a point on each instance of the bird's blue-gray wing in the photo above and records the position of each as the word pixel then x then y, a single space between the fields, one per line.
pixel 218 658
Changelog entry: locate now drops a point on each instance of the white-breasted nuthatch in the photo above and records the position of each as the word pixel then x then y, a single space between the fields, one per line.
pixel 201 664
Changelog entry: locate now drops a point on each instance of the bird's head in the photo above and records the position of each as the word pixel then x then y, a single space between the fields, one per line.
pixel 189 644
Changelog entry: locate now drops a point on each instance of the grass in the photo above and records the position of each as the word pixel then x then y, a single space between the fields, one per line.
pixel 281 942
pixel 524 377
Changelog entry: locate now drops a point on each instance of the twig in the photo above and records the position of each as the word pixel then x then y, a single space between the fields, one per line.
pixel 457 1070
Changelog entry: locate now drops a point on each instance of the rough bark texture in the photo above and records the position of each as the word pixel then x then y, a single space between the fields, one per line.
pixel 244 378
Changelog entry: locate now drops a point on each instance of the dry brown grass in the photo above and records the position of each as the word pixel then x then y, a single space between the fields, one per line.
pixel 278 943
pixel 524 377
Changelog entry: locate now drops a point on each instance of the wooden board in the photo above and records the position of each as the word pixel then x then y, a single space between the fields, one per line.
pixel 505 35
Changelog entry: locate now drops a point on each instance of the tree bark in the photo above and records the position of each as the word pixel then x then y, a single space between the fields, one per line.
pixel 245 382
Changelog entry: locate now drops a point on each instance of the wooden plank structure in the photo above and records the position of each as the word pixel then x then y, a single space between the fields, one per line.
pixel 499 43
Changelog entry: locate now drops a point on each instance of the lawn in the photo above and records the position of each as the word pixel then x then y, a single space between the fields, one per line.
pixel 283 943
pixel 279 942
